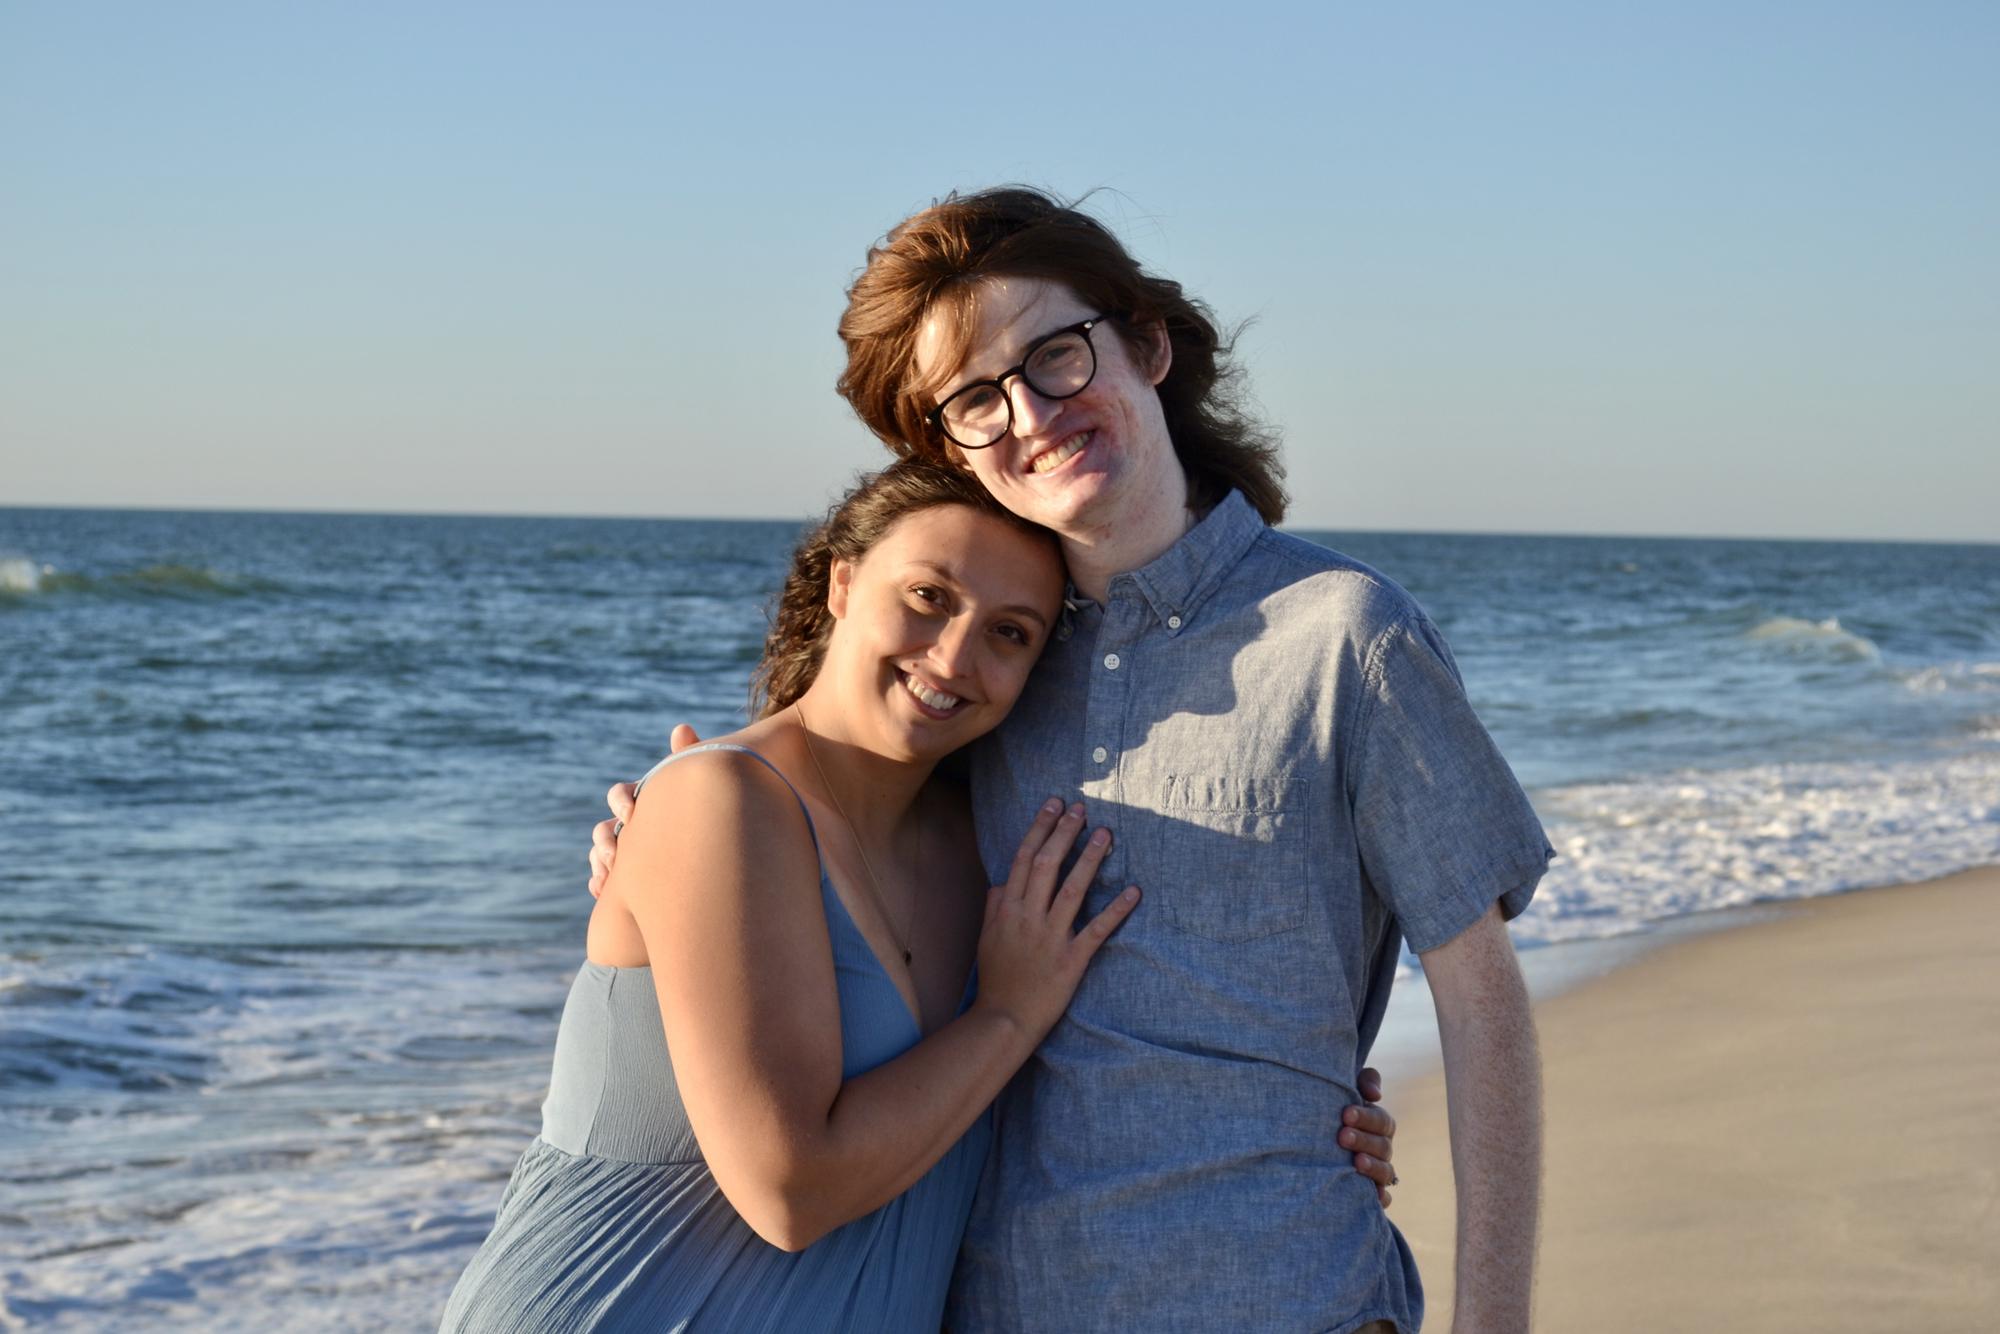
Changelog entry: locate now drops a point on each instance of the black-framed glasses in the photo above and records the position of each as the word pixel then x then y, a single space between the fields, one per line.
pixel 1057 365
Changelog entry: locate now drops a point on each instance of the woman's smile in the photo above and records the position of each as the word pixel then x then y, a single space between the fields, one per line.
pixel 934 701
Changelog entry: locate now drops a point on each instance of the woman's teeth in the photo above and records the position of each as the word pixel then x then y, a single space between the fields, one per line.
pixel 1066 450
pixel 937 699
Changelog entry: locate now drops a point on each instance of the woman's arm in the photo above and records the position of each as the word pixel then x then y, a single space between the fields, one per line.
pixel 719 872
pixel 1369 1131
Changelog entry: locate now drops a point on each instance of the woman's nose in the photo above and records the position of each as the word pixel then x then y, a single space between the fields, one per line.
pixel 952 650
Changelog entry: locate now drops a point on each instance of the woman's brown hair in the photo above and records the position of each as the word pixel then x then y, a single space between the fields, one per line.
pixel 801 623
pixel 933 264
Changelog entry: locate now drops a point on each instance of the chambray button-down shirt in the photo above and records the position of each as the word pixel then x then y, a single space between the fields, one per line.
pixel 1278 739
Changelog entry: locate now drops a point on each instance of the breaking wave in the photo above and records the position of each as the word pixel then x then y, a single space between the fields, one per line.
pixel 1795 635
pixel 21 577
pixel 1639 850
pixel 1952 676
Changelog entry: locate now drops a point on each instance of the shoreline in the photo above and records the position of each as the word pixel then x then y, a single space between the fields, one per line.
pixel 1786 1122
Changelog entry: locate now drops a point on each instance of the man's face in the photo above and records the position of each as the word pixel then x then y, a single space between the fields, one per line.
pixel 1077 465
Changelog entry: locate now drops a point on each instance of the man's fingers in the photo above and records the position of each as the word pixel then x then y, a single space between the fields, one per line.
pixel 600 871
pixel 681 738
pixel 1373 1145
pixel 622 799
pixel 1369 1084
pixel 1370 1120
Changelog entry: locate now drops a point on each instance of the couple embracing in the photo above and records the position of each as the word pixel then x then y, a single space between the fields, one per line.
pixel 1067 1033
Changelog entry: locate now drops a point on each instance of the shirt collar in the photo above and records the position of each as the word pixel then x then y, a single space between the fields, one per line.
pixel 1177 581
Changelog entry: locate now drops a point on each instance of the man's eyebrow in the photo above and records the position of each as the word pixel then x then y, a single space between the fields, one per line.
pixel 1017 608
pixel 960 380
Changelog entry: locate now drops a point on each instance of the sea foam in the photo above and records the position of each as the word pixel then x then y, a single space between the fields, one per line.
pixel 20 576
pixel 1637 851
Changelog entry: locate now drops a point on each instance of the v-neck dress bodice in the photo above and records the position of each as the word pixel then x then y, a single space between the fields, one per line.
pixel 612 1220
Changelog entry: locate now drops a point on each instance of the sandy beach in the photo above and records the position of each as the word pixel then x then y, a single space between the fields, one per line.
pixel 1791 1125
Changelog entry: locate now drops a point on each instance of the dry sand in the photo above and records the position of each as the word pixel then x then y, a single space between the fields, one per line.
pixel 1792 1125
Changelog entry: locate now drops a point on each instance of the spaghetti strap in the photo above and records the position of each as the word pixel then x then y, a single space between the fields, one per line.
pixel 811 830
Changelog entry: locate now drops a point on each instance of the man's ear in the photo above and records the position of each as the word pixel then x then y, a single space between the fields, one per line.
pixel 837 585
pixel 1159 357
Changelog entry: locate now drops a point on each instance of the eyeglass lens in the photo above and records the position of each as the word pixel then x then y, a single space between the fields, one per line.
pixel 1060 368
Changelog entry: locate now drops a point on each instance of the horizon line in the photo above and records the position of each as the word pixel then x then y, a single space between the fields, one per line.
pixel 1289 525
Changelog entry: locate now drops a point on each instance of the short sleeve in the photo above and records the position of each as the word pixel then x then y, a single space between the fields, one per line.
pixel 1442 825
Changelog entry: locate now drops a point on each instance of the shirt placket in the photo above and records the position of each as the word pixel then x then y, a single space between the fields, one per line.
pixel 1108 718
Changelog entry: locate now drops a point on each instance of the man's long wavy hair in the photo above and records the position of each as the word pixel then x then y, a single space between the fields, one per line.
pixel 801 624
pixel 935 262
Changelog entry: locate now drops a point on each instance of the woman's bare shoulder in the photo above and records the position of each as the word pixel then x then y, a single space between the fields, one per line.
pixel 717 808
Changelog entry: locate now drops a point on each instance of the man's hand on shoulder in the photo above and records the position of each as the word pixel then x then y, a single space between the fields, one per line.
pixel 621 799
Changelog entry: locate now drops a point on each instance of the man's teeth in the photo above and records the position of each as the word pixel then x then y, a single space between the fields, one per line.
pixel 1067 449
pixel 937 699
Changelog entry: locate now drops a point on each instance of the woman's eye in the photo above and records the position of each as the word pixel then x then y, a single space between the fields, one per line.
pixel 927 594
pixel 1015 633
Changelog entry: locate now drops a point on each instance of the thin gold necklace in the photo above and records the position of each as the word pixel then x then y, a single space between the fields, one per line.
pixel 875 886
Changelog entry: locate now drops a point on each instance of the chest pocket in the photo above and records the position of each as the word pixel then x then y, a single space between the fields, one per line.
pixel 1229 859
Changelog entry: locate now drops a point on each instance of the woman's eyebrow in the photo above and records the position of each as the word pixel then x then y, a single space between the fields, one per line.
pixel 1027 613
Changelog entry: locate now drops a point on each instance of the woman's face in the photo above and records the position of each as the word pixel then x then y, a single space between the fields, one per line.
pixel 1076 465
pixel 938 625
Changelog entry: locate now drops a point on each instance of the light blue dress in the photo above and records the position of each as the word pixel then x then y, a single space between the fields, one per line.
pixel 612 1221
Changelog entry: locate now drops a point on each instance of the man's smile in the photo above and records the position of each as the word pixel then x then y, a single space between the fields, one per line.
pixel 1054 457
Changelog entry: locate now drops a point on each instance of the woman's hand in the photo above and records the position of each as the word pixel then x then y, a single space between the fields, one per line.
pixel 1030 960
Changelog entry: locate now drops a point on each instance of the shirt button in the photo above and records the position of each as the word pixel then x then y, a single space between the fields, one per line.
pixel 1173 622
pixel 1100 754
pixel 1111 662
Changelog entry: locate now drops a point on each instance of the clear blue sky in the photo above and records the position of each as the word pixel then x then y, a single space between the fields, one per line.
pixel 1689 268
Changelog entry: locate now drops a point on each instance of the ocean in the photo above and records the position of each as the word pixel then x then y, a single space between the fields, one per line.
pixel 294 811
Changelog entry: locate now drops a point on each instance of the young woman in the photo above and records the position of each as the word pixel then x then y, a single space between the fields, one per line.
pixel 766 1107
